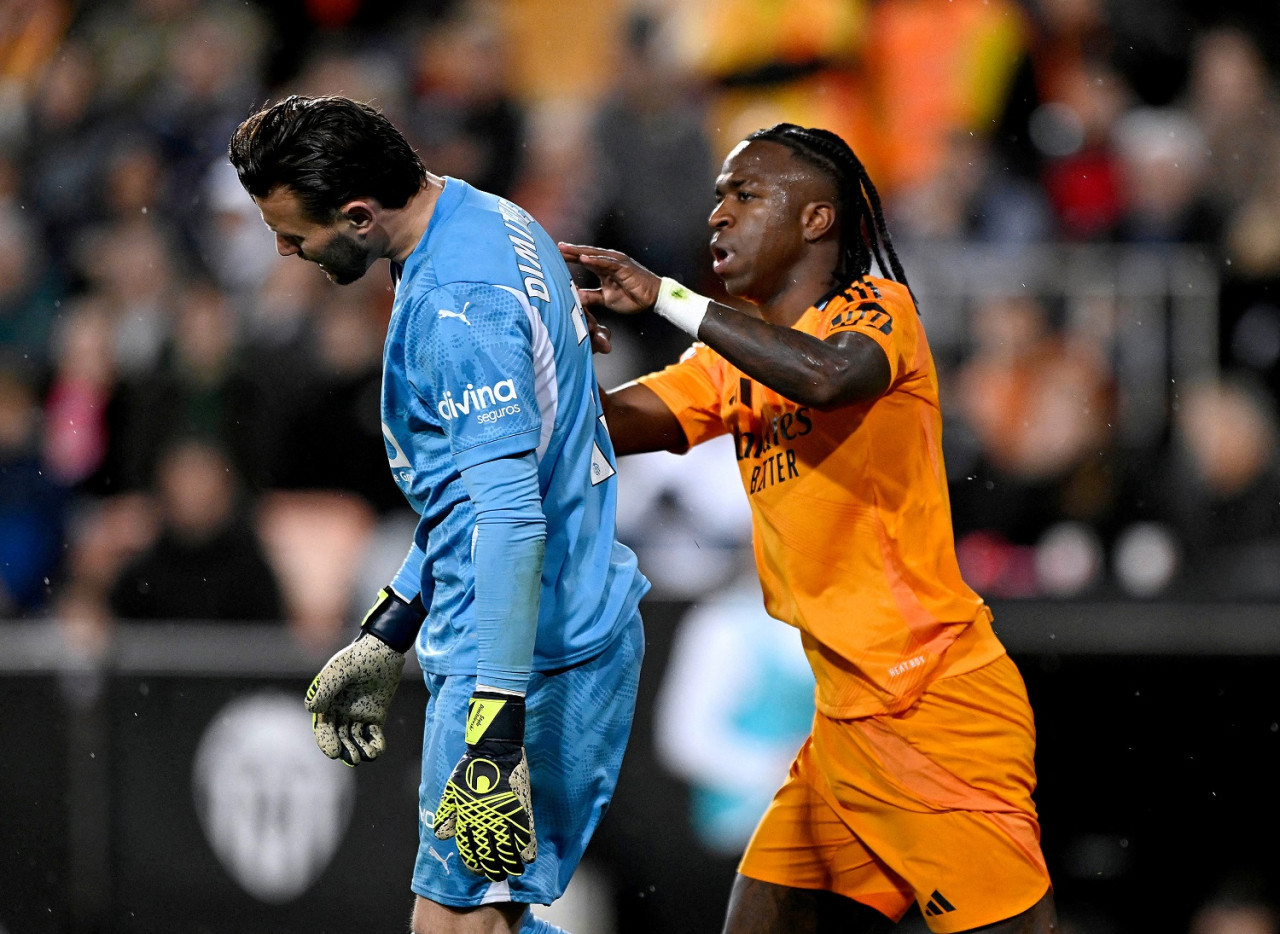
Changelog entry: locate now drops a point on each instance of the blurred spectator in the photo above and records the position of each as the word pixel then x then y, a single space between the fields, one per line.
pixel 971 198
pixel 318 542
pixel 67 133
pixel 237 248
pixel 130 266
pixel 1250 319
pixel 104 534
pixel 201 386
pixel 1233 99
pixel 1072 134
pixel 464 119
pixel 32 505
pixel 300 27
pixel 654 179
pixel 279 312
pixel 206 562
pixel 1217 491
pixel 1030 440
pixel 1163 162
pixel 84 620
pixel 557 180
pixel 30 32
pixel 1054 124
pixel 209 74
pixel 81 411
pixel 329 408
pixel 1252 238
pixel 362 71
pixel 655 169
pixel 1066 34
pixel 29 289
pixel 131 41
pixel 134 181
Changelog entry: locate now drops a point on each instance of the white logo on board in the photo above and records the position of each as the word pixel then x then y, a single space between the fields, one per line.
pixel 273 811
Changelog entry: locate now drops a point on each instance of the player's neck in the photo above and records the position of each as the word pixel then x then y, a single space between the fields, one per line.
pixel 797 295
pixel 406 226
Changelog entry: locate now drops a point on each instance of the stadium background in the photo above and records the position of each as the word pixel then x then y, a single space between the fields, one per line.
pixel 1086 196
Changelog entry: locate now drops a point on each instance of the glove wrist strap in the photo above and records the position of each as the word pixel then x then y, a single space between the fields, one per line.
pixel 394 621
pixel 495 717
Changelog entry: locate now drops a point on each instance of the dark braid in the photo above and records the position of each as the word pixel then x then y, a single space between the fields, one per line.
pixel 863 232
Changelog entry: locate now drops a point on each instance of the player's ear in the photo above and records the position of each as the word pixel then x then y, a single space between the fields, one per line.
pixel 359 214
pixel 817 220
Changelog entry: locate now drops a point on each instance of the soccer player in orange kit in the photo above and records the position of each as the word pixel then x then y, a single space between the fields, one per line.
pixel 916 781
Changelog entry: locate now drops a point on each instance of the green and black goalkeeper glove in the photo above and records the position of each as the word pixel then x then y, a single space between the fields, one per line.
pixel 486 803
pixel 350 696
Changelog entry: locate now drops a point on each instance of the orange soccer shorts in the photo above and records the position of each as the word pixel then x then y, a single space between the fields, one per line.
pixel 933 804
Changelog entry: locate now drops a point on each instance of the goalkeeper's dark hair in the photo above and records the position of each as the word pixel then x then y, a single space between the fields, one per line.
pixel 863 232
pixel 329 150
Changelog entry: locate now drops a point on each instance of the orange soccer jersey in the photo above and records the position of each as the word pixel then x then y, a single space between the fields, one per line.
pixel 852 522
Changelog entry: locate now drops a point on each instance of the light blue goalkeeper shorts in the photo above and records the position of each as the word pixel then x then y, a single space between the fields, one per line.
pixel 576 728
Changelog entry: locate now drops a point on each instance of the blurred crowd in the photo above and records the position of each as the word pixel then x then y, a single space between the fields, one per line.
pixel 189 424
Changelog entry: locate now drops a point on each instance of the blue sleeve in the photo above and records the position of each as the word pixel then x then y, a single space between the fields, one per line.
pixel 408 580
pixel 473 351
pixel 510 540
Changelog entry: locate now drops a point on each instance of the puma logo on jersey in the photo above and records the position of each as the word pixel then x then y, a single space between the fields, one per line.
pixel 460 315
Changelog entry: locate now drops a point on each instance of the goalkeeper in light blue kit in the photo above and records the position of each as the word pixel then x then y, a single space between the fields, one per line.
pixel 532 641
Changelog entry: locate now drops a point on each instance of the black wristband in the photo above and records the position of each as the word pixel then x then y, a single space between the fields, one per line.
pixel 394 621
pixel 495 717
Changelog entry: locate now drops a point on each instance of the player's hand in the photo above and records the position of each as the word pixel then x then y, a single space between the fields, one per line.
pixel 626 287
pixel 350 696
pixel 487 805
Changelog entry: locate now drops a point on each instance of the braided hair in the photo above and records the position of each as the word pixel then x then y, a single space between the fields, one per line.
pixel 863 232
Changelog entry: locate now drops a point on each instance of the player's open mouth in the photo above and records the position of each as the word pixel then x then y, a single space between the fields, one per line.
pixel 720 257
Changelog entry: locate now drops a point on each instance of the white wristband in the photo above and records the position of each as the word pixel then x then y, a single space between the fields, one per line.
pixel 683 307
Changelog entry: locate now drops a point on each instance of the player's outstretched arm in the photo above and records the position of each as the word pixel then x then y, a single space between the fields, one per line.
pixel 350 697
pixel 843 369
pixel 846 368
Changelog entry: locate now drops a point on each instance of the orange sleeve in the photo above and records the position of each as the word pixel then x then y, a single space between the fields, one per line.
pixel 885 315
pixel 692 389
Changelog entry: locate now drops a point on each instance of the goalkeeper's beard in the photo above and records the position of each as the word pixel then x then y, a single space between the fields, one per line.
pixel 344 259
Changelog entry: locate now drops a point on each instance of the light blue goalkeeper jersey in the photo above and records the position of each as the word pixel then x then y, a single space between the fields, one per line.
pixel 488 356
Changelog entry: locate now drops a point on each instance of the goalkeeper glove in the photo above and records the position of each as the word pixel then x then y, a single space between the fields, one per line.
pixel 350 696
pixel 486 803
